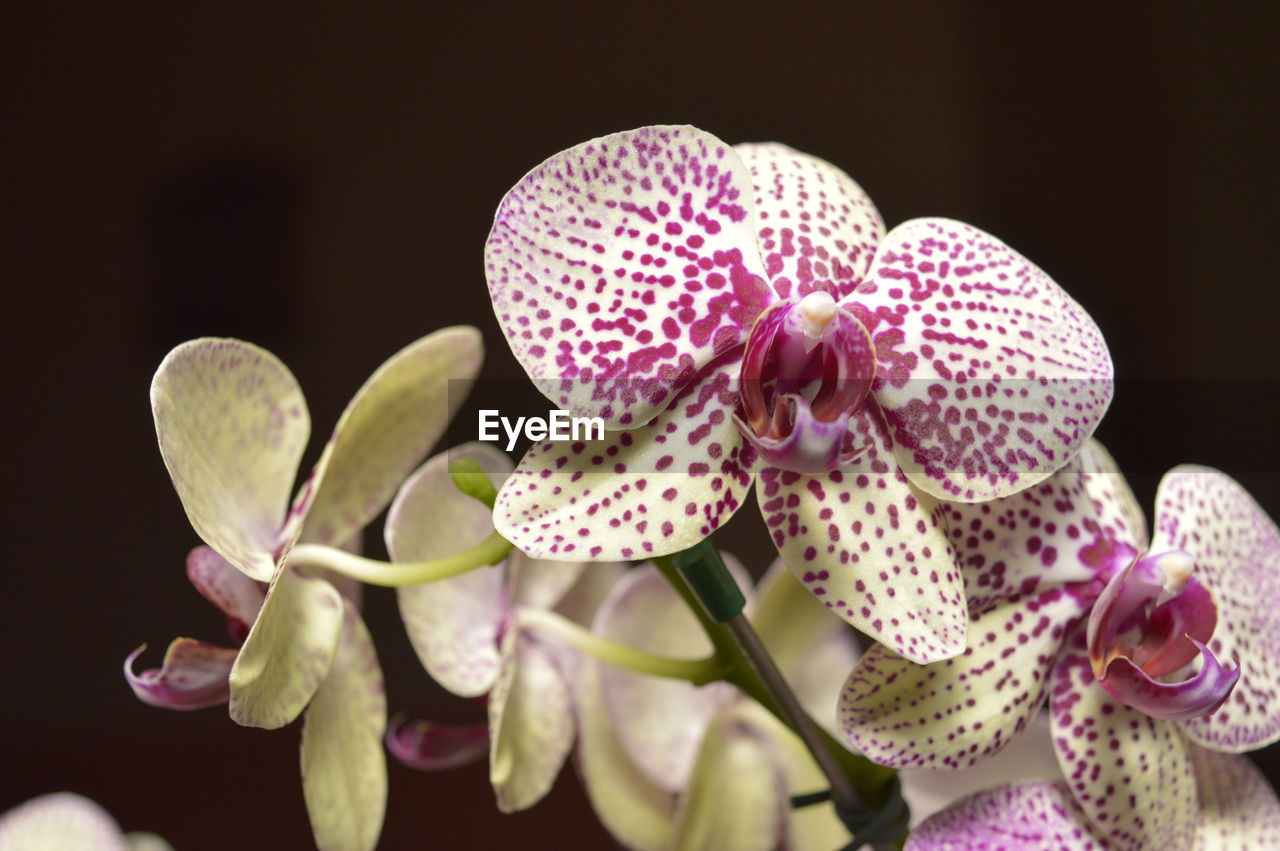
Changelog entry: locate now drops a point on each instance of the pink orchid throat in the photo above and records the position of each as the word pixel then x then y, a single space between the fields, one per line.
pixel 1146 630
pixel 807 368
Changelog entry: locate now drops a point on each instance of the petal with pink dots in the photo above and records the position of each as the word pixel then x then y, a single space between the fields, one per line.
pixel 992 377
pixel 1238 807
pixel 1236 548
pixel 1131 774
pixel 621 267
pixel 871 547
pixel 1037 814
pixel 232 425
pixel 644 492
pixel 957 712
pixel 816 228
pixel 1069 528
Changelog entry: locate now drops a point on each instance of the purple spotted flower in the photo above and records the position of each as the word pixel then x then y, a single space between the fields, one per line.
pixel 232 425
pixel 1143 657
pixel 727 310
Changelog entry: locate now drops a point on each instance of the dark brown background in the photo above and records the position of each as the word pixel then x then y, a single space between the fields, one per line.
pixel 321 181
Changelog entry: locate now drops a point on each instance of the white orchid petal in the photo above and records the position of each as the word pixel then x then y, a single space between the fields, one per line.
pixel 344 770
pixel 1236 548
pixel 816 228
pixel 621 267
pixel 453 623
pixel 531 723
pixel 871 547
pixel 992 377
pixel 288 651
pixel 1037 814
pixel 954 713
pixel 1238 807
pixel 232 426
pixel 387 429
pixel 635 494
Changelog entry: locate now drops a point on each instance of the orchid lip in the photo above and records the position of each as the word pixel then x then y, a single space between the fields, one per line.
pixel 807 369
pixel 1145 632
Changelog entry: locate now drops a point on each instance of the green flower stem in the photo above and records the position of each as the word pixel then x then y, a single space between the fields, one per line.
pixel 870 782
pixel 491 550
pixel 697 671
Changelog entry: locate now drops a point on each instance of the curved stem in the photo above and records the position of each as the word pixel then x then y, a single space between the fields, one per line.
pixel 697 671
pixel 491 550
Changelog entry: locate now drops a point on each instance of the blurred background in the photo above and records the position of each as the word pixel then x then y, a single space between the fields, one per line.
pixel 320 179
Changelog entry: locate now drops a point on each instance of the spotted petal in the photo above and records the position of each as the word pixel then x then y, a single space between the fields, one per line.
pixel 62 820
pixel 622 266
pixel 1236 548
pixel 1066 529
pixel 193 676
pixel 531 723
pixel 387 429
pixel 871 547
pixel 232 425
pixel 991 375
pixel 816 228
pixel 1038 814
pixel 1131 774
pixel 288 652
pixel 1238 808
pixel 344 772
pixel 645 492
pixel 954 713
pixel 453 623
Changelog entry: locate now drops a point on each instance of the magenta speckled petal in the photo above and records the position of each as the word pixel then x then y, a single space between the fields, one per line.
pixel 232 425
pixel 871 547
pixel 386 430
pixel 62 821
pixel 621 267
pixel 1238 807
pixel 991 375
pixel 453 623
pixel 236 595
pixel 193 676
pixel 1236 548
pixel 817 228
pixel 1038 814
pixel 659 721
pixel 431 746
pixel 288 652
pixel 531 723
pixel 1131 774
pixel 646 492
pixel 1064 530
pixel 956 712
pixel 344 770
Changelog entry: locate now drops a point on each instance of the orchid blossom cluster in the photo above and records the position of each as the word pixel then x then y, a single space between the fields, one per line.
pixel 913 409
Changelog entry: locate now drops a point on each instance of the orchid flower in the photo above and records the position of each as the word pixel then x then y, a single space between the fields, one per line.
pixel 1142 657
pixel 727 309
pixel 232 425
pixel 65 820
pixel 668 765
pixel 1236 809
pixel 484 634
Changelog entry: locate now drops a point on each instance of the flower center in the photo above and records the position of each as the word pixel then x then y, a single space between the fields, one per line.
pixel 1147 630
pixel 807 369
